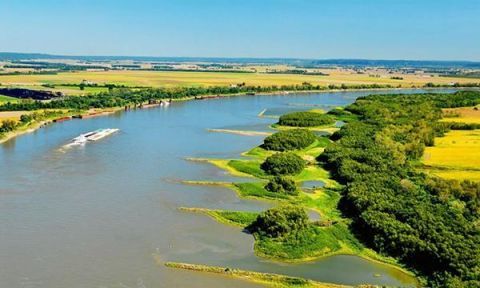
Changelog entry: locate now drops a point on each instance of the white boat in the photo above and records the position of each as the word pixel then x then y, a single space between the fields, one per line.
pixel 92 136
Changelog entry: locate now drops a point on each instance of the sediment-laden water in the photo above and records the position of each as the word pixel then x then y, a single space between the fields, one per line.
pixel 94 216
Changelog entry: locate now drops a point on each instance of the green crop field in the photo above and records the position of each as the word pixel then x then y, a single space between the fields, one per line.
pixel 4 99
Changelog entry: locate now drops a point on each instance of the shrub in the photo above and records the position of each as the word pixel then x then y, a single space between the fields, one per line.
pixel 8 125
pixel 305 119
pixel 279 221
pixel 25 118
pixel 289 140
pixel 286 163
pixel 279 184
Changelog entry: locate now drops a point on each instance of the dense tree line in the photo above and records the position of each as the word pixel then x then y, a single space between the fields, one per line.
pixel 286 163
pixel 289 140
pixel 457 126
pixel 126 96
pixel 455 85
pixel 305 119
pixel 430 224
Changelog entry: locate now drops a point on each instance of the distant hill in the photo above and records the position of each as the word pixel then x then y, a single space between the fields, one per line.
pixel 359 63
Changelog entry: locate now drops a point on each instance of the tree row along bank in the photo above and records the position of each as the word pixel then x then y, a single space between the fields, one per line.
pixel 129 97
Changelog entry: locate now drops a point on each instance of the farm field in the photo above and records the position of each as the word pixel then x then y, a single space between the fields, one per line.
pixel 177 78
pixel 4 99
pixel 12 115
pixel 455 156
pixel 463 115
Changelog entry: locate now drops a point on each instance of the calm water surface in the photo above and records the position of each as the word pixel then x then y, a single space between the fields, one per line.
pixel 94 216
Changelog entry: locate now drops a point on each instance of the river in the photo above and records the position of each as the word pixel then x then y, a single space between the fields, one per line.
pixel 95 216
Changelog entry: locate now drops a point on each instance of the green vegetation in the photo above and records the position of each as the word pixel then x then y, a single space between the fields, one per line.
pixel 9 125
pixel 342 115
pixel 289 140
pixel 396 209
pixel 247 167
pixel 309 243
pixel 459 126
pixel 328 236
pixel 236 218
pixel 119 97
pixel 279 221
pixel 386 203
pixel 285 163
pixel 306 119
pixel 5 99
pixel 257 190
pixel 283 185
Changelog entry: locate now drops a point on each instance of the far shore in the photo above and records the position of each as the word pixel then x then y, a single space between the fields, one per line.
pixel 34 126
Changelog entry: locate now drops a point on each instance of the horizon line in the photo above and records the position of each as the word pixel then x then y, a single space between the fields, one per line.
pixel 239 57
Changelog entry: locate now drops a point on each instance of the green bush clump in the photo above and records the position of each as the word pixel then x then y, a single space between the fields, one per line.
pixel 286 163
pixel 283 185
pixel 306 119
pixel 279 221
pixel 7 126
pixel 289 140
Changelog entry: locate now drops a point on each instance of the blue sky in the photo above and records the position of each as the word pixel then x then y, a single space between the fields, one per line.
pixel 380 29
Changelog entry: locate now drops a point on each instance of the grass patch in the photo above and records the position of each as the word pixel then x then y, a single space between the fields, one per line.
pixel 324 201
pixel 324 128
pixel 313 172
pixel 250 167
pixel 226 165
pixel 306 244
pixel 258 152
pixel 236 218
pixel 5 99
pixel 309 244
pixel 257 190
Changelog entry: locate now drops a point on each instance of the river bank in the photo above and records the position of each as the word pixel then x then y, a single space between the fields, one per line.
pixel 34 126
pixel 67 116
pixel 332 230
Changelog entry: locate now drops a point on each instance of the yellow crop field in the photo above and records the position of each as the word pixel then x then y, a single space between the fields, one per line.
pixel 12 115
pixel 178 78
pixel 463 114
pixel 456 174
pixel 455 156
